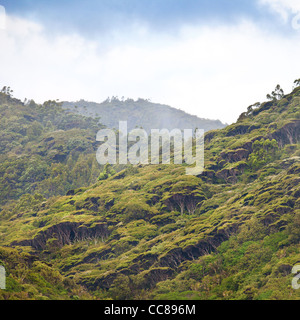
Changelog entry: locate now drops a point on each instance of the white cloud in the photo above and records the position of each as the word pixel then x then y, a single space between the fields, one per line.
pixel 211 72
pixel 289 10
pixel 292 5
pixel 283 7
pixel 2 17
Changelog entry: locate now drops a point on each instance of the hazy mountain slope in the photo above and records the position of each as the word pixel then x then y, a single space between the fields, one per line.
pixel 153 232
pixel 43 149
pixel 141 113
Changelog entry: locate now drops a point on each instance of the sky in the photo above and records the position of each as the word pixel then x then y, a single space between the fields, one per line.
pixel 210 58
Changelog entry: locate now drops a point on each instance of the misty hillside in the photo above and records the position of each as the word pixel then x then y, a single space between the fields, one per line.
pixel 151 231
pixel 141 113
pixel 43 149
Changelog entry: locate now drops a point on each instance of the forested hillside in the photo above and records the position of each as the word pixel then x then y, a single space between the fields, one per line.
pixel 43 149
pixel 141 113
pixel 151 231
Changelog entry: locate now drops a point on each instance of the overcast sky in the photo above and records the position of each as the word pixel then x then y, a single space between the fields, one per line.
pixel 211 58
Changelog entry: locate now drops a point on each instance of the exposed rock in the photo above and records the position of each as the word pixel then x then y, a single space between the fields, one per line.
pixel 90 203
pixel 93 257
pixel 209 136
pixel 235 155
pixel 102 282
pixel 49 139
pixel 70 193
pixel 288 134
pixel 238 129
pixel 59 157
pixel 65 233
pixel 156 275
pixel 177 255
pixel 231 175
pixel 285 269
pixel 208 174
pixel 29 118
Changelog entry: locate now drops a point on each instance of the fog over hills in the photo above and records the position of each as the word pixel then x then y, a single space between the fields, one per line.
pixel 141 113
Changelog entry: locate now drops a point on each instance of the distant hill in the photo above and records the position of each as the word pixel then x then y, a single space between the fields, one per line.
pixel 141 113
pixel 44 149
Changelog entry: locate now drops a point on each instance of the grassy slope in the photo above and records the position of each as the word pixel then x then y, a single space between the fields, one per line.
pixel 237 236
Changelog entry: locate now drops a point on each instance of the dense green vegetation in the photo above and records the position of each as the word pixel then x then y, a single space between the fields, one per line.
pixel 151 231
pixel 43 149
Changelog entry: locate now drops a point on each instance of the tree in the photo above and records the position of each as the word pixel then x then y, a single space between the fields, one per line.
pixel 34 131
pixel 249 112
pixel 264 151
pixel 6 90
pixel 184 195
pixel 252 107
pixel 120 289
pixel 297 83
pixel 242 116
pixel 277 94
pixel 107 172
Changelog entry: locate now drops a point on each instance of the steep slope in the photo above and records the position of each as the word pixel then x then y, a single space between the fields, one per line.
pixel 141 113
pixel 153 232
pixel 43 149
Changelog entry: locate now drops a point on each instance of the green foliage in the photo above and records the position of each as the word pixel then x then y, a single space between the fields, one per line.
pixel 297 83
pixel 44 149
pixel 107 172
pixel 277 94
pixel 148 232
pixel 6 91
pixel 36 280
pixel 263 152
pixel 120 289
pixel 141 113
